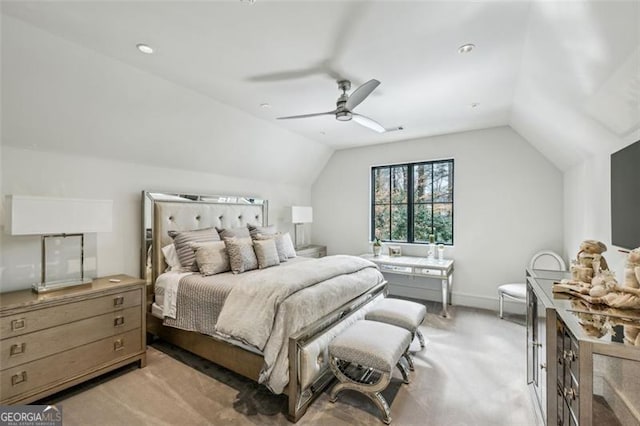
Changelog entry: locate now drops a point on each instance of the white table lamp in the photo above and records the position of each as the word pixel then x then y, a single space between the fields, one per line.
pixel 300 215
pixel 57 218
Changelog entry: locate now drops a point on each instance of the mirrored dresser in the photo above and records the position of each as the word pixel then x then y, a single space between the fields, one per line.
pixel 583 360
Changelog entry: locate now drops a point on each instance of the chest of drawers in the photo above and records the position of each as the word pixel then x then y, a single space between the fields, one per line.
pixel 52 341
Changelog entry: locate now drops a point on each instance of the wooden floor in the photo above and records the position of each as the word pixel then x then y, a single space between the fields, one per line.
pixel 471 373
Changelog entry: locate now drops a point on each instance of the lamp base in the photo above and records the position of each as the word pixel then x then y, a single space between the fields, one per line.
pixel 49 287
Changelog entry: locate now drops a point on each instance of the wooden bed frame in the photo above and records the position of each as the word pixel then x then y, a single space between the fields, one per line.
pixel 232 357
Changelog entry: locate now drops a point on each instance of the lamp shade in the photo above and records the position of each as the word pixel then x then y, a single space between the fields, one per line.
pixel 301 214
pixel 27 215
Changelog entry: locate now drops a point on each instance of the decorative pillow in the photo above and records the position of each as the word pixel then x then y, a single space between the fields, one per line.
pixel 183 240
pixel 171 257
pixel 242 258
pixel 211 257
pixel 266 253
pixel 280 246
pixel 264 230
pixel 289 249
pixel 241 232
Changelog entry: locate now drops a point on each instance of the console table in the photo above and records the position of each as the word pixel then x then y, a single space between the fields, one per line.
pixel 419 267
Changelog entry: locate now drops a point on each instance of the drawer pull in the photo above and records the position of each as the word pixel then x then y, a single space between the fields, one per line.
pixel 18 378
pixel 18 324
pixel 569 355
pixel 118 321
pixel 118 345
pixel 570 393
pixel 17 349
pixel 118 301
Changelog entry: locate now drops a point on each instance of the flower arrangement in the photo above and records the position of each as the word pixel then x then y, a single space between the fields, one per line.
pixel 377 246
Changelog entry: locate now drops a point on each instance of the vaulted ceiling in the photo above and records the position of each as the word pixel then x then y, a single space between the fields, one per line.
pixel 565 75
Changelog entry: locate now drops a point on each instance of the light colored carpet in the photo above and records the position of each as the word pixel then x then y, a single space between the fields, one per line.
pixel 471 373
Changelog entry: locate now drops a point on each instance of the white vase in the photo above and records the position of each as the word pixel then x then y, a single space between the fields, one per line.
pixel 431 252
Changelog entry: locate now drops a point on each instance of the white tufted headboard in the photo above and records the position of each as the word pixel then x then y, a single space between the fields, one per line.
pixel 188 214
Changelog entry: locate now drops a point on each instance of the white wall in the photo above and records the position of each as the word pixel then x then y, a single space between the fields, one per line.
pixel 28 172
pixel 508 205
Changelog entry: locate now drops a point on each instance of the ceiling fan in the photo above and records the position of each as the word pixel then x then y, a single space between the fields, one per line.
pixel 346 103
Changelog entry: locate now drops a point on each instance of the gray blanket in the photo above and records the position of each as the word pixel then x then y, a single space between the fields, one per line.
pixel 266 310
pixel 250 308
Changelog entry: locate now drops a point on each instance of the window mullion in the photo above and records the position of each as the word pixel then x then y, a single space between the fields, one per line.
pixel 432 225
pixel 410 215
pixel 390 204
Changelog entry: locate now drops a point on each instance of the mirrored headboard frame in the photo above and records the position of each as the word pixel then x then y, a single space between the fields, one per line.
pixel 171 211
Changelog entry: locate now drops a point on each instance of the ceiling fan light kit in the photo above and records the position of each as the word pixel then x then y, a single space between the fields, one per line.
pixel 346 103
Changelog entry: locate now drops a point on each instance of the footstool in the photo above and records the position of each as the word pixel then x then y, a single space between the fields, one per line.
pixel 363 358
pixel 401 313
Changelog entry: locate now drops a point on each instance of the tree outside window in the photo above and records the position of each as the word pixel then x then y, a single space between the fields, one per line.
pixel 412 201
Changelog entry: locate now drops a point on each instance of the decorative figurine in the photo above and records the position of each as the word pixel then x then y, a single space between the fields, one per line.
pixel 603 287
pixel 632 269
pixel 589 261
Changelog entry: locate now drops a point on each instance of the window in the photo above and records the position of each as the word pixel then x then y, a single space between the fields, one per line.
pixel 411 201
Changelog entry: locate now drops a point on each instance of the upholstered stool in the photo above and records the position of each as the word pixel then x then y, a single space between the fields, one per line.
pixel 363 358
pixel 401 313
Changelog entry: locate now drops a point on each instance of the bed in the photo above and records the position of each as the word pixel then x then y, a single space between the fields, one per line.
pixel 286 347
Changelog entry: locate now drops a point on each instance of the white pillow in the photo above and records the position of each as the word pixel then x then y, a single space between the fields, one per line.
pixel 289 249
pixel 171 257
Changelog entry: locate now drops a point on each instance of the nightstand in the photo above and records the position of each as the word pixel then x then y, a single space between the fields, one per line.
pixel 51 341
pixel 312 251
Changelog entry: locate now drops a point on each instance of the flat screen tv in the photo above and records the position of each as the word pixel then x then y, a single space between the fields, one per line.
pixel 625 197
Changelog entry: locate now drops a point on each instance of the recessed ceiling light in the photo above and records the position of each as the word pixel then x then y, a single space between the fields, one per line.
pixel 466 48
pixel 144 48
pixel 265 105
pixel 475 104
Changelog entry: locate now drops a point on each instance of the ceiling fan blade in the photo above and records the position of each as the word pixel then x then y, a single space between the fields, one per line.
pixel 367 122
pixel 287 75
pixel 307 115
pixel 361 93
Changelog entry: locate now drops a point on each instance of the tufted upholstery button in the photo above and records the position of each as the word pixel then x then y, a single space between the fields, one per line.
pixel 240 217
pixel 320 359
pixel 219 217
pixel 257 217
pixel 171 218
pixel 198 217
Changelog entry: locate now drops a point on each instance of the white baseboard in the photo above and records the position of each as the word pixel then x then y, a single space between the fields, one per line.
pixel 459 299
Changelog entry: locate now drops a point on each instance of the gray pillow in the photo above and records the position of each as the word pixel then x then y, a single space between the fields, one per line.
pixel 241 232
pixel 242 258
pixel 266 253
pixel 289 249
pixel 264 230
pixel 280 246
pixel 211 258
pixel 183 239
